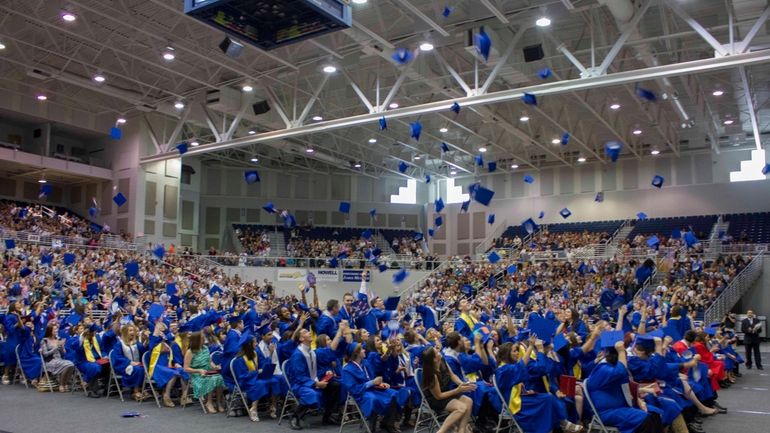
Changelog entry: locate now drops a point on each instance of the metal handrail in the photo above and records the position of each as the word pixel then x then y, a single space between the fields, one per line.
pixel 106 241
pixel 735 290
pixel 496 233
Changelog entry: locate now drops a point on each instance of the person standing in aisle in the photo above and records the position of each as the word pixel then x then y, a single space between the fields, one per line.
pixel 751 327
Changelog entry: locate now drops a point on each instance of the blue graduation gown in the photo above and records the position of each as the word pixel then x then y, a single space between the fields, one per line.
pixel 285 350
pixel 429 316
pixel 230 349
pixel 133 375
pixel 164 371
pixel 644 371
pixel 464 329
pixel 326 325
pixel 254 387
pixel 371 321
pixel 344 315
pixel 8 356
pixel 371 400
pixel 537 413
pixel 302 385
pixel 482 389
pixel 402 379
pixel 606 388
pixel 28 354
pixel 472 366
pixel 88 369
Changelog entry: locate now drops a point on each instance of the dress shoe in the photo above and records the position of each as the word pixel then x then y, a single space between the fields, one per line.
pixel 720 408
pixel 749 367
pixel 760 368
pixel 294 424
pixel 694 428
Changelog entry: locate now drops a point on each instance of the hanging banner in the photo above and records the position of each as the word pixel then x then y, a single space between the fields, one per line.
pixel 327 275
pixel 291 274
pixel 354 276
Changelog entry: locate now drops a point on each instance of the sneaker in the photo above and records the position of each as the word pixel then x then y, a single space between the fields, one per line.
pixel 6 381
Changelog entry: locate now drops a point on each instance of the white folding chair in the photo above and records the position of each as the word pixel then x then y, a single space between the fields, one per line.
pixel 352 415
pixel 76 382
pixel 148 382
pixel 115 379
pixel 236 397
pixel 427 419
pixel 596 422
pixel 506 422
pixel 290 402
pixel 19 370
pixel 49 385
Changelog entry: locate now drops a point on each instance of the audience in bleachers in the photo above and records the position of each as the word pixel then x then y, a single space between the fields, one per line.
pixel 254 242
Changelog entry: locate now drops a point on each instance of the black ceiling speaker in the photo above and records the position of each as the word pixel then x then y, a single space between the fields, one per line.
pixel 533 53
pixel 260 107
pixel 231 47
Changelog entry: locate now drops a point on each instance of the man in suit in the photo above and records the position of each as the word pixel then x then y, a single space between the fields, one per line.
pixel 751 327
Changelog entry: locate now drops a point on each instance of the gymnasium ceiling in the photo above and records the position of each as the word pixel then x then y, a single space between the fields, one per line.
pixel 123 40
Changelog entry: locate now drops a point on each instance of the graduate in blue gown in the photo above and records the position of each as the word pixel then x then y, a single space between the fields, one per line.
pixel 127 359
pixel 329 321
pixel 12 325
pixel 247 367
pixel 91 363
pixel 29 356
pixel 466 321
pixel 164 368
pixel 399 374
pixel 231 348
pixel 373 395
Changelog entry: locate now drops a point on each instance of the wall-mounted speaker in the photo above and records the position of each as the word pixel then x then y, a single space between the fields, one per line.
pixel 533 53
pixel 260 107
pixel 231 47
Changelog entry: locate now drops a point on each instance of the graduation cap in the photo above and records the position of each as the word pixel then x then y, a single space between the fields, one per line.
pixel 251 176
pixel 645 342
pixel 529 99
pixel 676 234
pixel 402 167
pixel 608 339
pixel 391 304
pixel 464 207
pixel 171 289
pixel 400 276
pixel 246 337
pixel 46 259
pixel 215 289
pixel 657 181
pixel 565 213
pixel 480 160
pixel 641 216
pixel 376 252
pixel 269 208
pixel 493 257
pixel 333 262
pixel 483 43
pixel 367 234
pixel 119 199
pixel 132 269
pixel 559 342
pixel 382 267
pixel 427 178
pixel 439 205
pixel 529 179
pixel 766 169
pixel 25 272
pixel 116 133
pixel 657 333
pixel 531 280
pixel 612 149
pixel 646 94
pixel 544 73
pixel 530 226
pixel 342 255
pixel 467 289
pixel 447 11
pixel 653 241
pixel 10 244
pixel 431 232
pixel 92 290
pixel 416 130
pixel 444 147
pixel 541 215
pixel 383 123
pixel 182 148
pixel 492 167
pixel 438 222
pixel 492 282
pixel 417 236
pixel 599 197
pixel 45 190
pixel 373 213
pixel 69 258
pixel 542 327
pixel 345 207
pixel 73 319
pixel 92 211
pixel 565 138
pixel 512 269
pixel 455 108
pixel 491 218
pixel 483 195
pixel 483 330
pixel 402 56
pixel 159 251
pixel 690 239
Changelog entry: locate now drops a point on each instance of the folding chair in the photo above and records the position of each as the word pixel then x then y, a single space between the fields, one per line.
pixel 48 385
pixel 427 419
pixel 148 382
pixel 76 382
pixel 236 398
pixel 506 421
pixel 291 401
pixel 115 379
pixel 596 422
pixel 352 415
pixel 19 370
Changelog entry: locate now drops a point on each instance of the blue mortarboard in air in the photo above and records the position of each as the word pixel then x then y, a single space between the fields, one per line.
pixel 483 43
pixel 402 167
pixel 431 232
pixel 541 215
pixel 46 259
pixel 464 207
pixel 427 178
pixel 373 213
pixel 657 181
pixel 376 252
pixel 484 330
pixel 646 94
pixel 132 269
pixel 565 213
pixel 439 205
pixel 479 160
pixel 542 327
pixel 531 280
pixel 119 199
pixel 483 195
pixel 46 190
pixel 467 290
pixel 491 218
pixel 530 226
pixel 529 99
pixel 690 239
pixel 10 244
pixel 641 216
pixel 676 234
pixel 447 11
pixel 159 251
pixel 92 211
pixel 612 149
pixel 400 276
pixel 645 341
pixel 391 304
pixel 417 236
pixel 438 222
pixel 344 207
pixel 512 269
pixel 653 241
pixel 402 56
pixel 92 290
pixel 251 176
pixel 383 123
pixel 529 179
pixel 491 166
pixel 444 147
pixel 382 267
pixel 582 268
pixel 416 130
pixel 99 272
pixel 182 148
pixel 493 257
pixel 333 262
pixel 171 289
pixel 710 331
pixel 565 138
pixel 24 272
pixel 608 339
pixel 672 331
pixel 544 73
pixel 269 207
pixel 116 133
pixel 455 108
pixel 599 197
pixel 215 289
pixel 766 169
pixel 559 342
pixel 69 258
pixel 367 234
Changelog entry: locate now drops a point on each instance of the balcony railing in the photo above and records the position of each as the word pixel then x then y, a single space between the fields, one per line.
pixel 735 290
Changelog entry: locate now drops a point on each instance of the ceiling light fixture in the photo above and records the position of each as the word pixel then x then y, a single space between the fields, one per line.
pixel 728 121
pixel 254 159
pixel 482 149
pixel 318 118
pixel 718 92
pixel 330 69
pixel 195 143
pixel 393 105
pixel 358 165
pixel 426 46
pixel 252 132
pixel 179 105
pixel 309 150
pixel 453 172
pixel 42 97
pixel 99 78
pixel 524 118
pixel 637 131
pixel 247 88
pixel 543 22
pixel 2 46
pixel 42 181
pixel 121 120
pixel 417 157
pixel 581 159
pixel 68 16
pixel 169 54
pixel 556 141
pixel 514 166
pixel 654 152
pixel 614 106
pixel 443 130
pixel 372 140
pixel 359 2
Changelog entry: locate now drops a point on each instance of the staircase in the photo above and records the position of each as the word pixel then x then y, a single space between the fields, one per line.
pixel 735 290
pixel 277 244
pixel 621 234
pixel 381 242
pixel 714 247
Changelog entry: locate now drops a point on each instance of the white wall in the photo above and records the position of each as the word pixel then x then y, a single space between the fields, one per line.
pixel 758 297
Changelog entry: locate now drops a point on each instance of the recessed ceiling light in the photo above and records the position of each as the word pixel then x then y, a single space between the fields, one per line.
pixel 543 22
pixel 309 150
pixel 42 181
pixel 426 46
pixel 99 78
pixel 2 46
pixel 614 106
pixel 318 118
pixel 556 141
pixel 247 88
pixel 169 54
pixel 655 152
pixel 358 165
pixel 729 121
pixel 581 159
pixel 252 132
pixel 417 157
pixel 718 92
pixel 453 172
pixel 524 118
pixel 329 69
pixel 359 2
pixel 68 16
pixel 41 97
pixel 482 149
pixel 393 105
pixel 121 120
pixel 195 143
pixel 442 130
pixel 372 140
pixel 514 166
pixel 179 105
pixel 637 131
pixel 254 159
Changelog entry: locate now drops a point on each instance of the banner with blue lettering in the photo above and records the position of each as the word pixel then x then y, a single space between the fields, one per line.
pixel 354 276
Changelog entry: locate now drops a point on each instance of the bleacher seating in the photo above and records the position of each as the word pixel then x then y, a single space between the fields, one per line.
pixel 590 227
pixel 754 226
pixel 701 225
